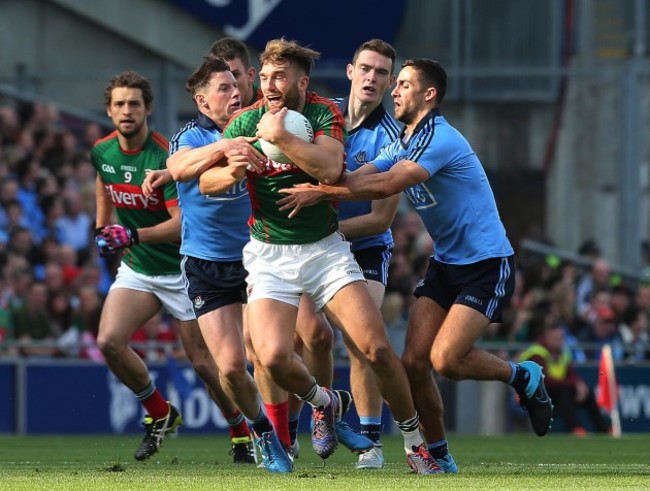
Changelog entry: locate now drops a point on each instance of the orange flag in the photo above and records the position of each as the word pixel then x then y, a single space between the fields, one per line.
pixel 604 398
pixel 607 397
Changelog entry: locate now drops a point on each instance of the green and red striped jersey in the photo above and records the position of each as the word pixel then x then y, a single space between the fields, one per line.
pixel 122 173
pixel 267 222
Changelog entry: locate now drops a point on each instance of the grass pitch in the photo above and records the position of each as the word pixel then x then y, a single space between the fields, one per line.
pixel 202 462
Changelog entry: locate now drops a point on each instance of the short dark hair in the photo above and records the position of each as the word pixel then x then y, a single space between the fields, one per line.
pixel 201 76
pixel 378 46
pixel 280 50
pixel 230 48
pixel 131 80
pixel 431 74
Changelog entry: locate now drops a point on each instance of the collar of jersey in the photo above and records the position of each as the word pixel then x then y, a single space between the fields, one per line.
pixel 207 123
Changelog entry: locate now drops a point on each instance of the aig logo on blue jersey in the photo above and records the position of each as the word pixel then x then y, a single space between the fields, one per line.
pixel 421 197
pixel 238 191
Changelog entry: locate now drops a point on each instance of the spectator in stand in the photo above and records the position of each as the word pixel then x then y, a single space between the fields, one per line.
pixel 19 277
pixel 69 262
pixel 28 174
pixel 563 383
pixel 75 224
pixel 84 181
pixel 15 216
pixel 529 313
pixel 621 302
pixel 52 207
pixel 562 294
pixel 21 244
pixel 53 278
pixel 9 126
pixel 8 195
pixel 635 336
pixel 598 279
pixel 59 156
pixel 90 134
pixel 642 297
pixel 85 319
pixel 604 330
pixel 19 149
pixel 32 322
pixel 589 249
pixel 60 311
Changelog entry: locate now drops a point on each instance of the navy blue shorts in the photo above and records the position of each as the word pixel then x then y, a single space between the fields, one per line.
pixel 214 284
pixel 374 262
pixel 486 286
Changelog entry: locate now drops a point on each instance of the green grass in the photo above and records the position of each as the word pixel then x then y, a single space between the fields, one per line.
pixel 202 462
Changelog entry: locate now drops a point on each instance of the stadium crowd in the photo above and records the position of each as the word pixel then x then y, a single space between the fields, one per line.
pixel 53 282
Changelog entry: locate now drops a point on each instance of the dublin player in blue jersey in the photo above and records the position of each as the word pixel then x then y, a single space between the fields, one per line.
pixel 471 274
pixel 213 231
pixel 366 224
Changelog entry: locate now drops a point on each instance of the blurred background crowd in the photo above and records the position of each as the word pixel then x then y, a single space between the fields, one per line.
pixel 52 281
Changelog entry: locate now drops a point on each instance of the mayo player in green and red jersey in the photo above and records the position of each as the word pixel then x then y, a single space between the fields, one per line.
pixel 147 235
pixel 315 337
pixel 286 257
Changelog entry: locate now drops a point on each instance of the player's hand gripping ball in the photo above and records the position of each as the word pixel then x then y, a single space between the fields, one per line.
pixel 296 124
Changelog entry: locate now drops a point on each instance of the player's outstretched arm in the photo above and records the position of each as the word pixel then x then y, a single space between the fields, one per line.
pixel 364 184
pixel 189 163
pixel 217 180
pixel 378 221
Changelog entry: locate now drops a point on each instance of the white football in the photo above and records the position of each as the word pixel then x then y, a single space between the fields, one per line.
pixel 296 124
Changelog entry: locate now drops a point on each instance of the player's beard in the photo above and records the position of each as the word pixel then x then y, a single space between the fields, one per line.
pixel 136 128
pixel 406 119
pixel 292 100
pixel 404 116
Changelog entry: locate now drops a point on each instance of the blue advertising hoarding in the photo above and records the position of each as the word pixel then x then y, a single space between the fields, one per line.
pixel 8 390
pixel 85 398
pixel 335 28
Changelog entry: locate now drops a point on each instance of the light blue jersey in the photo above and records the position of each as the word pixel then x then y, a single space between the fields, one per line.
pixel 215 227
pixel 362 146
pixel 456 203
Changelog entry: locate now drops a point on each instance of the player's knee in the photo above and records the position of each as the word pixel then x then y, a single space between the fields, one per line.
pixel 378 355
pixel 321 342
pixel 446 364
pixel 276 363
pixel 234 372
pixel 109 346
pixel 415 365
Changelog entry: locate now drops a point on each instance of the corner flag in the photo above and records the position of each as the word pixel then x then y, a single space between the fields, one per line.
pixel 607 397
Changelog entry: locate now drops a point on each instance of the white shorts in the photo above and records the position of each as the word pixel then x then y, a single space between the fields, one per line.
pixel 284 272
pixel 169 289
